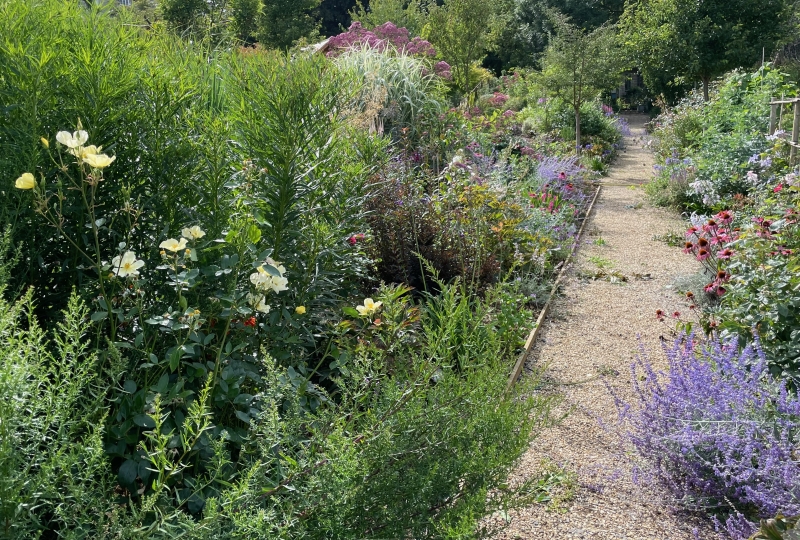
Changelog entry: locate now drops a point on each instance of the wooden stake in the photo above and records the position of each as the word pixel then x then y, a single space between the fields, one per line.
pixel 773 118
pixel 795 134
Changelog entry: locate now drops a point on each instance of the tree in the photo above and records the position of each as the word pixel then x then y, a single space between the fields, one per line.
pixel 334 15
pixel 525 35
pixel 463 30
pixel 700 40
pixel 403 13
pixel 183 15
pixel 577 65
pixel 283 22
pixel 244 18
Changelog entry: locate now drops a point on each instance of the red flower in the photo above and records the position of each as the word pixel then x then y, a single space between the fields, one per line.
pixel 676 314
pixel 659 315
pixel 777 188
pixel 251 322
pixel 353 240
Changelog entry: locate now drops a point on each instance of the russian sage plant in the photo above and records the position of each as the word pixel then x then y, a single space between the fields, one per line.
pixel 718 431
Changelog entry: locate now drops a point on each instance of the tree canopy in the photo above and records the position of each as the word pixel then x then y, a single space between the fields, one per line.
pixel 577 65
pixel 696 41
pixel 462 31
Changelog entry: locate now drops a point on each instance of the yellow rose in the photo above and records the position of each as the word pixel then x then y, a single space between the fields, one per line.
pixel 98 161
pixel 26 181
pixel 369 307
pixel 72 140
pixel 173 245
pixel 300 310
pixel 193 233
pixel 127 264
pixel 84 151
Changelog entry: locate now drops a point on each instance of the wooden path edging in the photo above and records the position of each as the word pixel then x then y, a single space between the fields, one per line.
pixel 534 333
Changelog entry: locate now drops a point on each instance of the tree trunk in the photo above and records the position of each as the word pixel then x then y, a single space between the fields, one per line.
pixel 706 82
pixel 578 130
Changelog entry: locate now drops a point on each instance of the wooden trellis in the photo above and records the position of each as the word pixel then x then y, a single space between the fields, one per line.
pixel 776 111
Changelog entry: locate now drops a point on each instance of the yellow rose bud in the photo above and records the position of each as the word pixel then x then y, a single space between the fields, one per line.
pixel 26 181
pixel 45 142
pixel 300 310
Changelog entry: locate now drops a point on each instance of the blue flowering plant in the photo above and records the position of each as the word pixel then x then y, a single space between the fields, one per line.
pixel 718 431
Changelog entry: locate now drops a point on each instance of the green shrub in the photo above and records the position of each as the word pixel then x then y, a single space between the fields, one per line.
pixel 420 404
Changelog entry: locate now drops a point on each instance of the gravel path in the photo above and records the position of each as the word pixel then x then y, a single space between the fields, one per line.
pixel 591 333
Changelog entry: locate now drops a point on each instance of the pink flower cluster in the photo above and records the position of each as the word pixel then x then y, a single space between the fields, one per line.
pixel 498 99
pixel 443 70
pixel 707 244
pixel 381 37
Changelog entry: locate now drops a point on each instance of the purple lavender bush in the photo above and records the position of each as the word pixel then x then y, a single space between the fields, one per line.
pixel 718 431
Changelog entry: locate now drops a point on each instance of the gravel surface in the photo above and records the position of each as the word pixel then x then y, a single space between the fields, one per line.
pixel 593 332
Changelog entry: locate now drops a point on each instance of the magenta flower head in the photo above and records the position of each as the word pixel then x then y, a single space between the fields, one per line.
pixel 703 254
pixel 562 175
pixel 725 217
pixel 726 253
pixel 353 240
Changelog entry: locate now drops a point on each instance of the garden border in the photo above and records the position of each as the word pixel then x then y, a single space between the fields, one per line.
pixel 534 333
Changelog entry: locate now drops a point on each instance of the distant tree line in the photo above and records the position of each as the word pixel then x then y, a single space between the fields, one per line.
pixel 675 44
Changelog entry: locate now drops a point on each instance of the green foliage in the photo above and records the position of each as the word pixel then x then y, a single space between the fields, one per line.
pixel 54 474
pixel 765 292
pixel 578 65
pixel 421 405
pixel 462 31
pixel 404 14
pixel 670 39
pixel 779 528
pixel 706 145
pixel 283 22
pixel 244 18
pixel 196 386
pixel 183 15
